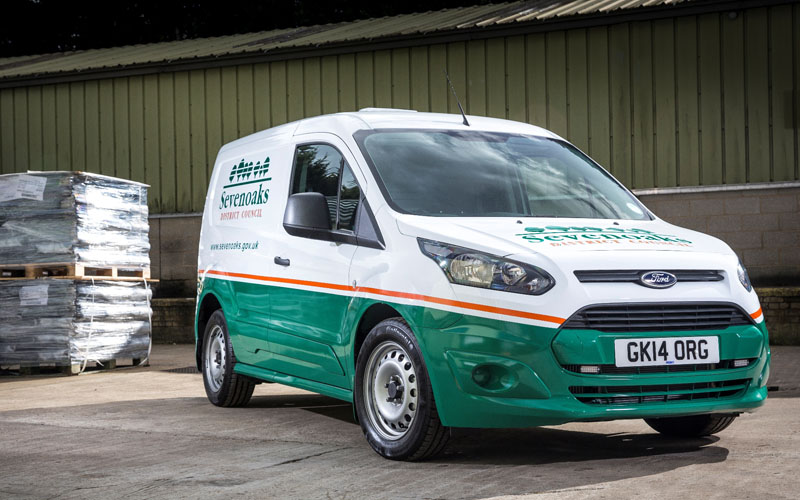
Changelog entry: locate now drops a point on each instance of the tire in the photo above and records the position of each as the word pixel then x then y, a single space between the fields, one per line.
pixel 223 386
pixel 693 426
pixel 393 395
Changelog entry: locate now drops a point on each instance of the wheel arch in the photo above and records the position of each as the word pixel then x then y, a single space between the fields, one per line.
pixel 208 304
pixel 373 315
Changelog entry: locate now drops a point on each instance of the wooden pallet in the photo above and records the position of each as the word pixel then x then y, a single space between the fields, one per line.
pixel 71 270
pixel 74 368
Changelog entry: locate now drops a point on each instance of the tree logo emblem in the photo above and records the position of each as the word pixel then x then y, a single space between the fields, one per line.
pixel 245 171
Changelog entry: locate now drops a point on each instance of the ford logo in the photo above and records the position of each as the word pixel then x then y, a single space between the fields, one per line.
pixel 658 279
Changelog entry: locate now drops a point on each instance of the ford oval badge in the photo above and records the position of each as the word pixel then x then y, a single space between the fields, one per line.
pixel 657 279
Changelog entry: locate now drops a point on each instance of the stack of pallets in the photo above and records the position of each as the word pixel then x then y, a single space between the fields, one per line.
pixel 74 271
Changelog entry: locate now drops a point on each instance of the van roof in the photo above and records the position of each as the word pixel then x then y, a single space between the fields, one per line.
pixel 346 123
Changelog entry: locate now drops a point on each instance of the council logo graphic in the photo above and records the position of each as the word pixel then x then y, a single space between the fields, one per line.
pixel 234 196
pixel 245 170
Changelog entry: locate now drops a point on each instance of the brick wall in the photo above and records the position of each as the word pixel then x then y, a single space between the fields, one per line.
pixel 761 225
pixel 173 321
pixel 781 306
pixel 173 255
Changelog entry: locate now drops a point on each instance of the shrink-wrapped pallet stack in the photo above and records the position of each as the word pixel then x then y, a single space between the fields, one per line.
pixel 74 269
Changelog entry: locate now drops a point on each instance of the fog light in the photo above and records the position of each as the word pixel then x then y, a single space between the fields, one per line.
pixel 481 375
pixel 593 369
pixel 492 377
pixel 740 363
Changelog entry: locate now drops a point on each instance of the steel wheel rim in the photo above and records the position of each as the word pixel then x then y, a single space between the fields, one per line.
pixel 390 390
pixel 215 358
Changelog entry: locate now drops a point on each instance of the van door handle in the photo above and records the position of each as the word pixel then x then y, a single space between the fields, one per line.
pixel 281 262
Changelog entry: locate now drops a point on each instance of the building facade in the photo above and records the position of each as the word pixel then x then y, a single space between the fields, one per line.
pixel 692 104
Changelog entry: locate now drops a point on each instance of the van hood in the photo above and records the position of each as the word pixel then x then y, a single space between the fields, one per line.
pixel 559 237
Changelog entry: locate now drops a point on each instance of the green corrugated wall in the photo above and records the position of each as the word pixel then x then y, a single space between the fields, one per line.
pixel 688 101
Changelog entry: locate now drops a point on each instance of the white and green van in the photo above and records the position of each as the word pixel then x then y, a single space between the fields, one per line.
pixel 442 274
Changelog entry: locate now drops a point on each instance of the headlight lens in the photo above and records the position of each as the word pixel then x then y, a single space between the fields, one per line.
pixel 744 279
pixel 471 268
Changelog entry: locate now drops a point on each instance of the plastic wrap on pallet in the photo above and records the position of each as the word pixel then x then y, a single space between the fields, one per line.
pixel 99 301
pixel 66 322
pixel 73 217
pixel 101 341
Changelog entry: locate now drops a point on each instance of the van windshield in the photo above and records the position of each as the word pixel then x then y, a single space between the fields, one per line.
pixel 481 174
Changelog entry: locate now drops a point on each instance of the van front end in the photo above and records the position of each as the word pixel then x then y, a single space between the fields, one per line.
pixel 491 373
pixel 661 323
pixel 604 337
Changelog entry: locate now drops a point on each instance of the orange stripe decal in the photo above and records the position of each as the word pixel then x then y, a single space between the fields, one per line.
pixel 756 314
pixel 391 293
pixel 289 281
pixel 464 305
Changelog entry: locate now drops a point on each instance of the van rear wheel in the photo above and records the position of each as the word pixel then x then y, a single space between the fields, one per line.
pixel 693 426
pixel 393 395
pixel 223 386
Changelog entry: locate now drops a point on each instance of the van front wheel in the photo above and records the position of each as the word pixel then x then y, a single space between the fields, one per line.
pixel 393 395
pixel 223 386
pixel 693 426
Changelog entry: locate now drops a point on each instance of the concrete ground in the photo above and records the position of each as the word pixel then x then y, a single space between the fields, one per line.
pixel 150 433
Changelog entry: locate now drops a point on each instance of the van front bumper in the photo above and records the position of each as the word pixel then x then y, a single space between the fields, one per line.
pixel 488 373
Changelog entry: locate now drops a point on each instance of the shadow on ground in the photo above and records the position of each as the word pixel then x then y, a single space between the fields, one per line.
pixel 514 446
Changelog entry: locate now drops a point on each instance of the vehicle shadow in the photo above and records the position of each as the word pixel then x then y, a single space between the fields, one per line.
pixel 489 462
pixel 526 446
pixel 314 403
pixel 543 445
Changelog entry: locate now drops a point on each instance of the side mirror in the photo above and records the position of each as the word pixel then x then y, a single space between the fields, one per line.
pixel 307 215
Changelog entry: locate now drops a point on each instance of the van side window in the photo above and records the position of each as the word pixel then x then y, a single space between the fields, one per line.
pixel 317 169
pixel 321 168
pixel 349 196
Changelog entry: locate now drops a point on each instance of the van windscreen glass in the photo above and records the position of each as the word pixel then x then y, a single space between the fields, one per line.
pixel 480 174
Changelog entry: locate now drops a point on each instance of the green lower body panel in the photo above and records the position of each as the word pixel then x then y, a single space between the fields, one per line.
pixel 492 373
pixel 301 383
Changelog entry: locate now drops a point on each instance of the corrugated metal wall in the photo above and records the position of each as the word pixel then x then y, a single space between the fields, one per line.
pixel 676 102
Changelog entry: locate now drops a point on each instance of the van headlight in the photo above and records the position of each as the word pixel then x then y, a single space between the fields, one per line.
pixel 472 268
pixel 744 279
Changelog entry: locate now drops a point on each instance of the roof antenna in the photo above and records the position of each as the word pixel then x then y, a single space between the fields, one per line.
pixel 453 90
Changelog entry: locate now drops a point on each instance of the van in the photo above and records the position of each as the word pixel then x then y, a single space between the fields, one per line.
pixel 440 272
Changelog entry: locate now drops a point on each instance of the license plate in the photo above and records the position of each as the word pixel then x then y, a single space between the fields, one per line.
pixel 666 351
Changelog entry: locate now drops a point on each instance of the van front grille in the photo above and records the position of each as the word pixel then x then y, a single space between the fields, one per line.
pixel 664 393
pixel 657 317
pixel 632 276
